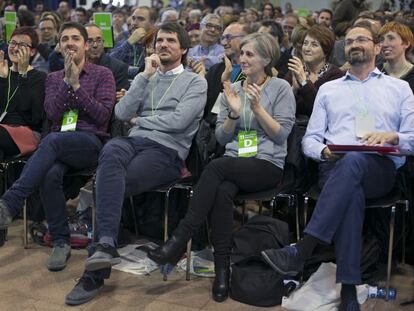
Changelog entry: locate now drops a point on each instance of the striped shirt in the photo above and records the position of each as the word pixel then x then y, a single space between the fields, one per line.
pixel 94 99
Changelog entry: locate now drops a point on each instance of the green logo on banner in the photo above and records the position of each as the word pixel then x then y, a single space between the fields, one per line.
pixel 104 22
pixel 10 18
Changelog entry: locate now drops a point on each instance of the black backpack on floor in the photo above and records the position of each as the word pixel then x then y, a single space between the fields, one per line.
pixel 252 280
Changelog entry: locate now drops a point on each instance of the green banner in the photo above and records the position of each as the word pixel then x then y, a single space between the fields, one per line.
pixel 104 22
pixel 11 19
pixel 302 12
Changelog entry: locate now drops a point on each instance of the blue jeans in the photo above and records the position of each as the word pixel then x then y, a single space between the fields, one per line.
pixel 57 152
pixel 129 166
pixel 339 212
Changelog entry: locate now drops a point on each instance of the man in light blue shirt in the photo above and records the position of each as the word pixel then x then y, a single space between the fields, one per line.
pixel 209 50
pixel 364 107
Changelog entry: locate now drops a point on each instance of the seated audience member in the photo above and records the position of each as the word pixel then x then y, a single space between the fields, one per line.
pixel 227 70
pixel 261 107
pixel 169 102
pixel 209 51
pixel 79 102
pixel 119 26
pixel 131 50
pixel 364 107
pixel 48 40
pixel 396 40
pixel 308 75
pixel 22 90
pixel 325 17
pixel 96 55
pixel 169 16
pixel 194 33
pixel 268 11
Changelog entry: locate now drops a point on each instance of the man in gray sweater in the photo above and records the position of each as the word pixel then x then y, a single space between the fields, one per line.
pixel 164 104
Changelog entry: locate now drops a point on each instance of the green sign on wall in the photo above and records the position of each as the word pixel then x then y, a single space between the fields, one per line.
pixel 11 20
pixel 104 22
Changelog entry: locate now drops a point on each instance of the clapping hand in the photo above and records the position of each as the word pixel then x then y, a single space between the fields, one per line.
pixel 295 65
pixel 72 71
pixel 254 95
pixel 233 99
pixel 4 66
pixel 228 68
pixel 198 66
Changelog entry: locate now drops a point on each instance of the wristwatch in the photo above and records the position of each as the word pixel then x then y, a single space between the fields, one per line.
pixel 303 82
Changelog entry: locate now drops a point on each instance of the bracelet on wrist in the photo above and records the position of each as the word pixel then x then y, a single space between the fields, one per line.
pixel 231 117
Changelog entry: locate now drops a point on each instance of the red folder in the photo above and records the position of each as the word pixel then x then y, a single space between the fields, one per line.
pixel 363 148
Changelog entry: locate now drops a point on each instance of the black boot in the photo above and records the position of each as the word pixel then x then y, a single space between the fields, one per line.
pixel 221 283
pixel 171 252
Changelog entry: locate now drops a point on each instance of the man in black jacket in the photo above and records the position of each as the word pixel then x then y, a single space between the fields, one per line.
pixel 97 55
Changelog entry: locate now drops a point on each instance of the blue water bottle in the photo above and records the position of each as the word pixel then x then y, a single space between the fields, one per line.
pixel 381 292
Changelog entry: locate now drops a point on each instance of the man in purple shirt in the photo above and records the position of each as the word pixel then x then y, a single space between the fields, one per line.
pixel 79 102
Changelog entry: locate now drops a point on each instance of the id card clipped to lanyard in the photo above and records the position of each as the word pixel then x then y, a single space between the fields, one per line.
pixel 9 97
pixel 70 118
pixel 247 139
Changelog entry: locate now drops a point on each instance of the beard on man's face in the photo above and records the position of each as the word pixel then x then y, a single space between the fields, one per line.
pixel 357 56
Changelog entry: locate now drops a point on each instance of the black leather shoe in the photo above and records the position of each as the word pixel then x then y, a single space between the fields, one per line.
pixel 221 284
pixel 171 252
pixel 284 260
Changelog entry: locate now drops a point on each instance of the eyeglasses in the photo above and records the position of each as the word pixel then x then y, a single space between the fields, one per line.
pixel 210 26
pixel 13 44
pixel 358 40
pixel 229 37
pixel 98 41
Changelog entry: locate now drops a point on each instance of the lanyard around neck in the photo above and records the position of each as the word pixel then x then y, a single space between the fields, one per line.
pixel 9 98
pixel 161 99
pixel 248 128
pixel 136 63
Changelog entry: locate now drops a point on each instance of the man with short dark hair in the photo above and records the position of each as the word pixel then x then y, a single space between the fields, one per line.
pixel 131 50
pixel 80 16
pixel 97 55
pixel 325 17
pixel 164 105
pixel 79 102
pixel 364 107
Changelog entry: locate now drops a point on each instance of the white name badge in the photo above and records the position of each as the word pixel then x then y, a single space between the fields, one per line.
pixel 364 124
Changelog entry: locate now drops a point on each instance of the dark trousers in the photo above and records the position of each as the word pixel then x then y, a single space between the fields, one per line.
pixel 339 212
pixel 219 183
pixel 129 166
pixel 45 169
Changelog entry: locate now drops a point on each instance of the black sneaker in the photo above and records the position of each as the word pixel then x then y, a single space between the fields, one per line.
pixel 284 260
pixel 86 289
pixel 105 256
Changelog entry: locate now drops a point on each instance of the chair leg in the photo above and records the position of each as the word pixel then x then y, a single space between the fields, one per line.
pixel 131 200
pixel 296 203
pixel 390 246
pixel 305 210
pixel 167 199
pixel 94 232
pixel 187 271
pixel 405 210
pixel 25 243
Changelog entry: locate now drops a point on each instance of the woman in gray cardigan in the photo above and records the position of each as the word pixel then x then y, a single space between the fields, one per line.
pixel 255 119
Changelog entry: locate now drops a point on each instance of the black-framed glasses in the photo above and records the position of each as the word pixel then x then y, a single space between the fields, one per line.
pixel 14 43
pixel 210 26
pixel 358 40
pixel 98 41
pixel 230 37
